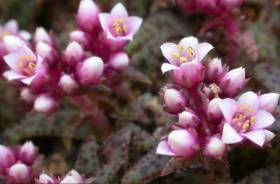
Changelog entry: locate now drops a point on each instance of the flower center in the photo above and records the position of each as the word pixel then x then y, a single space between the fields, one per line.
pixel 184 55
pixel 120 27
pixel 243 120
pixel 27 65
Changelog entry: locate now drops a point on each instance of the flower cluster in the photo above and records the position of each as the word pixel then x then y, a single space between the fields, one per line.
pixel 71 177
pixel 95 52
pixel 16 164
pixel 202 97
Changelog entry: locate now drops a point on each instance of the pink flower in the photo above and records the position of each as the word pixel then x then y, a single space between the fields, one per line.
pixel 68 84
pixel 28 153
pixel 45 104
pixel 74 54
pixel 80 37
pixel 19 174
pixel 214 112
pixel 233 82
pixel 117 25
pixel 25 66
pixel 179 143
pixel 119 61
pixel 269 101
pixel 214 147
pixel 187 119
pixel 174 101
pixel 214 70
pixel 185 60
pixel 7 159
pixel 41 35
pixel 90 71
pixel 245 119
pixel 72 177
pixel 87 16
pixel 11 28
pixel 45 179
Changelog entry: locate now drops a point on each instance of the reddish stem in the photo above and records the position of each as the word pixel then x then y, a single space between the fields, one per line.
pixel 97 116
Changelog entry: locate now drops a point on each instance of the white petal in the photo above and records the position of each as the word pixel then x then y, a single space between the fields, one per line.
pixel 230 136
pixel 165 67
pixel 263 119
pixel 202 50
pixel 228 107
pixel 250 99
pixel 189 42
pixel 256 136
pixel 119 10
pixel 164 149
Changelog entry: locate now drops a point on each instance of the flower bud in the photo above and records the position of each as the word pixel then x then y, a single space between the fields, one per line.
pixel 7 159
pixel 81 38
pixel 45 104
pixel 215 148
pixel 269 101
pixel 27 95
pixel 214 70
pixel 187 119
pixel 28 153
pixel 46 52
pixel 87 16
pixel 182 143
pixel 214 112
pixel 230 4
pixel 19 173
pixel 233 82
pixel 174 101
pixel 68 83
pixel 90 71
pixel 74 54
pixel 45 179
pixel 13 43
pixel 41 35
pixel 119 61
pixel 72 177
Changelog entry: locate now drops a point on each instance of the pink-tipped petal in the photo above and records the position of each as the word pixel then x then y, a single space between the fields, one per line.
pixel 269 101
pixel 230 136
pixel 249 99
pixel 119 10
pixel 163 149
pixel 189 42
pixel 165 67
pixel 202 50
pixel 11 75
pixel 256 136
pixel 268 135
pixel 105 19
pixel 263 119
pixel 12 43
pixel 168 49
pixel 134 23
pixel 228 107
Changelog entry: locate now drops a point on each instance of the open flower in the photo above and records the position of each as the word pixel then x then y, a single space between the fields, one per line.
pixel 25 66
pixel 179 143
pixel 117 25
pixel 245 119
pixel 185 60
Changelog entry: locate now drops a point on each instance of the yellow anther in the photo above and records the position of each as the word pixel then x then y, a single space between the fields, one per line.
pixel 183 59
pixel 20 64
pixel 246 125
pixel 120 26
pixel 244 107
pixel 31 65
pixel 175 55
pixel 180 48
pixel 240 116
pixel 251 111
pixel 190 52
pixel 26 58
pixel 253 119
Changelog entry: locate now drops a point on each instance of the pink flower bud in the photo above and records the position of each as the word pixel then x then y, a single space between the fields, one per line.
pixel 74 53
pixel 46 52
pixel 41 35
pixel 27 95
pixel 45 179
pixel 87 16
pixel 233 81
pixel 269 101
pixel 179 143
pixel 72 177
pixel 174 101
pixel 19 173
pixel 28 153
pixel 45 104
pixel 13 43
pixel 214 112
pixel 6 159
pixel 90 71
pixel 187 119
pixel 215 148
pixel 214 70
pixel 230 4
pixel 119 61
pixel 68 83
pixel 80 37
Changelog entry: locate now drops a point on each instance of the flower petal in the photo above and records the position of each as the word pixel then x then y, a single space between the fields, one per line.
pixel 12 75
pixel 164 149
pixel 28 80
pixel 268 135
pixel 202 50
pixel 119 10
pixel 263 119
pixel 249 99
pixel 228 107
pixel 134 24
pixel 189 42
pixel 229 135
pixel 168 49
pixel 165 67
pixel 105 19
pixel 256 136
pixel 269 101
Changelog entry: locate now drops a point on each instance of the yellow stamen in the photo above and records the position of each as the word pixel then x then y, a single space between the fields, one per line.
pixel 175 55
pixel 26 58
pixel 253 119
pixel 180 48
pixel 183 59
pixel 190 52
pixel 246 125
pixel 244 107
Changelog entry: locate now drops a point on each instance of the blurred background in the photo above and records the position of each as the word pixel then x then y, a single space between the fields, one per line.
pixel 67 141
